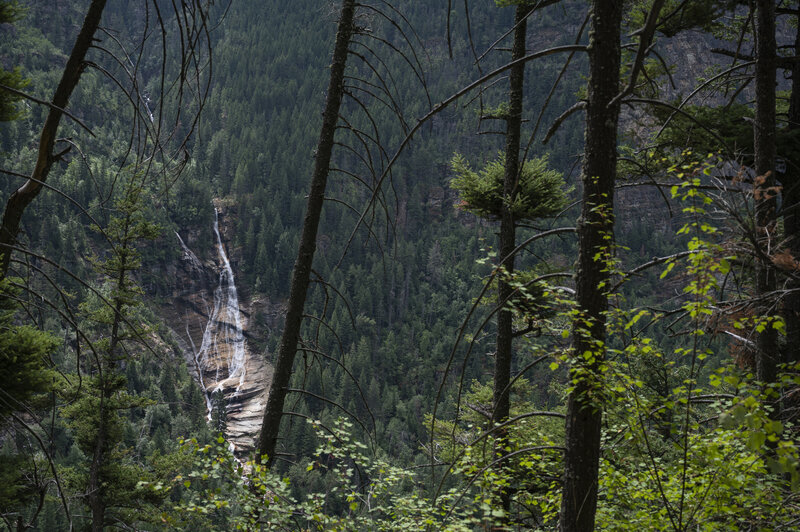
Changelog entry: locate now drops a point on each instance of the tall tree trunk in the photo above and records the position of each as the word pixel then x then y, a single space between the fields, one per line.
pixel 96 495
pixel 24 195
pixel 595 228
pixel 105 374
pixel 764 147
pixel 791 216
pixel 508 240
pixel 308 242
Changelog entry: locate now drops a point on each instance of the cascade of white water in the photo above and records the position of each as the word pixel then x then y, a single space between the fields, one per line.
pixel 207 334
pixel 189 254
pixel 231 322
pixel 199 370
pixel 223 344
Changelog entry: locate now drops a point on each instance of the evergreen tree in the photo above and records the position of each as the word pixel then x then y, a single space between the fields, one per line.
pixel 219 412
pixel 26 377
pixel 95 416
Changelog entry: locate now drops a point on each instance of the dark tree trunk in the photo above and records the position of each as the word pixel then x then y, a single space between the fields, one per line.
pixel 791 217
pixel 595 229
pixel 308 241
pixel 508 239
pixel 22 197
pixel 96 498
pixel 105 373
pixel 764 148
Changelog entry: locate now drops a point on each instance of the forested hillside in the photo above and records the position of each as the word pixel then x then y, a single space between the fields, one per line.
pixel 399 265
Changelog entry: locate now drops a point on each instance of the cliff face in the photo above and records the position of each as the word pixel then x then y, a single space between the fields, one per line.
pixel 213 326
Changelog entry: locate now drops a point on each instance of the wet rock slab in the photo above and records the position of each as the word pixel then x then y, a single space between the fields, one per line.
pixel 207 317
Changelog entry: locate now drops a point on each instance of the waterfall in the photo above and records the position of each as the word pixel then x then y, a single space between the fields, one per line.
pixel 230 319
pixel 207 306
pixel 221 358
pixel 189 255
pixel 197 267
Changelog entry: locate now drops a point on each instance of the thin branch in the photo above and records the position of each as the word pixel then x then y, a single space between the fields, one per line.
pixel 47 104
pixel 560 120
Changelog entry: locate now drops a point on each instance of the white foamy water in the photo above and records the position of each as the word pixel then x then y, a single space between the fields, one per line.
pixel 222 347
pixel 216 345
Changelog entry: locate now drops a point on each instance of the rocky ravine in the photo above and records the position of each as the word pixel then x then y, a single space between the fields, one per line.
pixel 212 326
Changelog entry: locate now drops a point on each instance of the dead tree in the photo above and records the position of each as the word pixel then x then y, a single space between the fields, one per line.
pixel 508 238
pixel 764 136
pixel 791 217
pixel 301 273
pixel 46 156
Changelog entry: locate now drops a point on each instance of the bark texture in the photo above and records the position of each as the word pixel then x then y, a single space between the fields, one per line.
pixel 508 239
pixel 595 229
pixel 24 195
pixel 96 496
pixel 308 242
pixel 791 216
pixel 764 148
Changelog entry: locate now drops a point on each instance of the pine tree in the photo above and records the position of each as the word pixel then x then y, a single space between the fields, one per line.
pixel 219 412
pixel 95 416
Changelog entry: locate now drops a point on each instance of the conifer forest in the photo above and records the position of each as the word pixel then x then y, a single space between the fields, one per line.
pixel 400 265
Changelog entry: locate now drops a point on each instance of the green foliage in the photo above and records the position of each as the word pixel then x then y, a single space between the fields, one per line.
pixel 532 298
pixel 725 129
pixel 699 14
pixel 716 474
pixel 255 147
pixel 95 420
pixel 10 12
pixel 219 414
pixel 24 356
pixel 541 192
pixel 684 447
pixel 469 447
pixel 87 290
pixel 731 122
pixel 15 490
pixel 8 100
pixel 95 411
pixel 26 377
pixel 686 453
pixel 359 491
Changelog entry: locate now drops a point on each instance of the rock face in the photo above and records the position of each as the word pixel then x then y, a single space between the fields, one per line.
pixel 212 327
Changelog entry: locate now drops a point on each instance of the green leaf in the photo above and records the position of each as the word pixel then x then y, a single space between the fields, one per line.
pixel 756 440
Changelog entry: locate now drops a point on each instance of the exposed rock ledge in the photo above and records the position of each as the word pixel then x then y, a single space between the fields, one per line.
pixel 212 325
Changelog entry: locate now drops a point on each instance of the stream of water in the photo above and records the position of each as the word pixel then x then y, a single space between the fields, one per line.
pixel 223 344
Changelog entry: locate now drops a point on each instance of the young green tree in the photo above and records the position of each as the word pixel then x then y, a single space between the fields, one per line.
pixel 537 192
pixel 95 418
pixel 511 191
pixel 27 377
